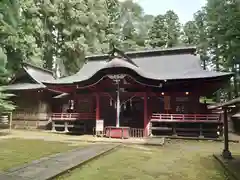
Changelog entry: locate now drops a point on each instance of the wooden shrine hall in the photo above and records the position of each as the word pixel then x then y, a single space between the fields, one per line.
pixel 143 93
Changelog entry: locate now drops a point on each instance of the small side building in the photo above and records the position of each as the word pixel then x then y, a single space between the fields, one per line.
pixel 33 99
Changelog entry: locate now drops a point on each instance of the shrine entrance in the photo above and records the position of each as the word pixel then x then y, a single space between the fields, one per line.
pixel 132 113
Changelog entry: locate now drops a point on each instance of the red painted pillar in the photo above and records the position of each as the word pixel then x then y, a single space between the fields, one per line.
pixel 97 106
pixel 146 115
pixel 75 106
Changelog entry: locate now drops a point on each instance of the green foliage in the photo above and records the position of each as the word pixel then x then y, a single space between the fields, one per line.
pixel 67 30
pixel 165 31
pixel 128 25
pixel 190 30
pixel 5 104
pixel 195 34
pixel 224 29
pixel 215 31
pixel 58 34
pixel 158 33
pixel 16 35
pixel 173 28
pixel 3 71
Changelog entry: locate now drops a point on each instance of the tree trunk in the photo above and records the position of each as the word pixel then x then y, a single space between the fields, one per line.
pixel 217 69
pixel 238 80
pixel 235 84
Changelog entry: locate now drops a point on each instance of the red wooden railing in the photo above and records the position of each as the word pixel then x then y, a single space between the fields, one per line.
pixel 136 133
pixel 185 117
pixel 133 132
pixel 73 116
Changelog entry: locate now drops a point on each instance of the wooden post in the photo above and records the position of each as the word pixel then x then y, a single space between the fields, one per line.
pixel 174 129
pixel 149 115
pixel 39 98
pixel 75 98
pixel 145 115
pixel 150 129
pixel 118 106
pixel 53 126
pixel 66 127
pixel 226 153
pixel 201 131
pixel 97 107
pixel 10 121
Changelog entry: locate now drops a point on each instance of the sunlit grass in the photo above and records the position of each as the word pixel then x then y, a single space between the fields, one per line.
pixel 15 152
pixel 180 160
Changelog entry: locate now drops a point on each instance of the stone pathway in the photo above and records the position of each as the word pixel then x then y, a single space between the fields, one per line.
pixel 49 167
pixel 231 166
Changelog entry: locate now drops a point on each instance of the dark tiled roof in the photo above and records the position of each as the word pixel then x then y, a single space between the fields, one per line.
pixel 149 53
pixel 167 64
pixel 38 74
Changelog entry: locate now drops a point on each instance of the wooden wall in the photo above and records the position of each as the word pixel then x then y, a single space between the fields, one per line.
pixel 177 104
pixel 33 110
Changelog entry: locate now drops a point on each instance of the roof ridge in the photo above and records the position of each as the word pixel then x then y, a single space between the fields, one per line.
pixel 149 52
pixel 121 55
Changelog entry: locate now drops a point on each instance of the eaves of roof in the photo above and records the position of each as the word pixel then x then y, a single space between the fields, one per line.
pixel 226 104
pixel 23 86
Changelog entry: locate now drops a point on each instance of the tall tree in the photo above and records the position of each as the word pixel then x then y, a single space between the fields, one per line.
pixel 158 32
pixel 200 18
pixel 131 18
pixel 68 30
pixel 16 36
pixel 5 104
pixel 165 31
pixel 113 29
pixel 144 28
pixel 223 30
pixel 173 28
pixel 195 33
pixel 190 32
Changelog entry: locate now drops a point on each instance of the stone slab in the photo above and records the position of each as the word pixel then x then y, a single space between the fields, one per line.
pixel 232 166
pixel 9 177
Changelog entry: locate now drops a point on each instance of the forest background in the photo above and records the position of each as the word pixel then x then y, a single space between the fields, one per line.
pixel 58 34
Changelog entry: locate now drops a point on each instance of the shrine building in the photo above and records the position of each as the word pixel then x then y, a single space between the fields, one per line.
pixel 139 94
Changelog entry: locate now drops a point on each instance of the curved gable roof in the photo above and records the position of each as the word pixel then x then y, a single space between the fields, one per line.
pixel 35 81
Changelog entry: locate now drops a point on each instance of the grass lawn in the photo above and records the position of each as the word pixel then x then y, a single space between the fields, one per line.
pixel 14 152
pixel 177 160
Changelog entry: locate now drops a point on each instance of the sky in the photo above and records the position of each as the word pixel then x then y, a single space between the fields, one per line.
pixel 184 8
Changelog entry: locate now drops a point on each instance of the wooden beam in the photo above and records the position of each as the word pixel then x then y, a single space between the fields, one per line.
pixel 146 114
pixel 97 106
pixel 226 153
pixel 226 104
